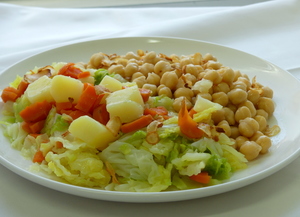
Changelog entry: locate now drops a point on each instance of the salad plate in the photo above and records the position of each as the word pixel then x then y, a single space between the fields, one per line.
pixel 284 150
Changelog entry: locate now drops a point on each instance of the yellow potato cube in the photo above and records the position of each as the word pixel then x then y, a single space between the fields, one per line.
pixel 111 84
pixel 39 90
pixel 202 104
pixel 95 134
pixel 64 88
pixel 127 104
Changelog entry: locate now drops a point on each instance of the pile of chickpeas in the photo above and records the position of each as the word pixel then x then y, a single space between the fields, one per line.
pixel 247 105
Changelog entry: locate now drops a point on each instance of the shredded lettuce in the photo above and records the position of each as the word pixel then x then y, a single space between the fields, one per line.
pixel 99 75
pixel 20 104
pixel 218 167
pixel 161 100
pixel 16 82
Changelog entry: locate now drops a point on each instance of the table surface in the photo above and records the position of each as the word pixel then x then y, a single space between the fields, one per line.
pixel 275 196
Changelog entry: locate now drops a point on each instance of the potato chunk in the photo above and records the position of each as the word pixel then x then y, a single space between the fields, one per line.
pixel 95 134
pixel 111 84
pixel 64 89
pixel 127 104
pixel 39 90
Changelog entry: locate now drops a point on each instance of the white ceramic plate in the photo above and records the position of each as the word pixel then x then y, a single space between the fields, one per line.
pixel 286 88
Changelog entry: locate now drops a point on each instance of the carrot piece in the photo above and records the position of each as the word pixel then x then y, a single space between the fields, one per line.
pixel 202 177
pixel 36 112
pixel 33 128
pixel 137 124
pixel 187 125
pixel 59 144
pixel 9 94
pixel 63 106
pixel 75 113
pixel 84 74
pixel 100 114
pixel 70 70
pixel 22 87
pixel 38 157
pixel 192 112
pixel 145 93
pixel 160 110
pixel 87 99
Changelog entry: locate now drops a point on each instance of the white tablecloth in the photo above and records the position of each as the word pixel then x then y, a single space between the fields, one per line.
pixel 270 30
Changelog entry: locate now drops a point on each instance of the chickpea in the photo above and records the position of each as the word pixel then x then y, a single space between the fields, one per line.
pixel 237 96
pixel 225 126
pixel 184 91
pixel 161 67
pixel 208 57
pixel 169 79
pixel 262 113
pixel 136 75
pixel 147 68
pixel 221 87
pixel 232 107
pixel 130 69
pixel 150 57
pixel 239 84
pixel 153 78
pixel 193 69
pixel 256 136
pixel 250 106
pixel 117 69
pixel 213 76
pixel 151 87
pixel 253 95
pixel 218 116
pixel 250 149
pixel 163 90
pixel 266 104
pixel 267 92
pixel 131 55
pixel 122 61
pixel 140 81
pixel 240 140
pixel 248 127
pixel 237 74
pixel 205 96
pixel 190 79
pixel 221 98
pixel 234 132
pixel 242 113
pixel 96 60
pixel 228 75
pixel 246 81
pixel 211 64
pixel 229 116
pixel 177 103
pixel 197 58
pixel 261 120
pixel 185 61
pixel 265 143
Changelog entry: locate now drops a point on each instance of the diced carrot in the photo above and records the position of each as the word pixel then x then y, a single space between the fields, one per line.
pixel 70 70
pixel 187 125
pixel 145 93
pixel 192 112
pixel 59 144
pixel 137 124
pixel 202 177
pixel 84 74
pixel 38 157
pixel 87 98
pixel 160 110
pixel 63 106
pixel 36 112
pixel 9 94
pixel 100 114
pixel 22 87
pixel 75 113
pixel 33 128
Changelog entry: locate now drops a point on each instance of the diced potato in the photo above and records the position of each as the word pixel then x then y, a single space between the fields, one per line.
pixel 39 90
pixel 127 111
pixel 89 79
pixel 127 104
pixel 64 88
pixel 202 104
pixel 111 84
pixel 95 134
